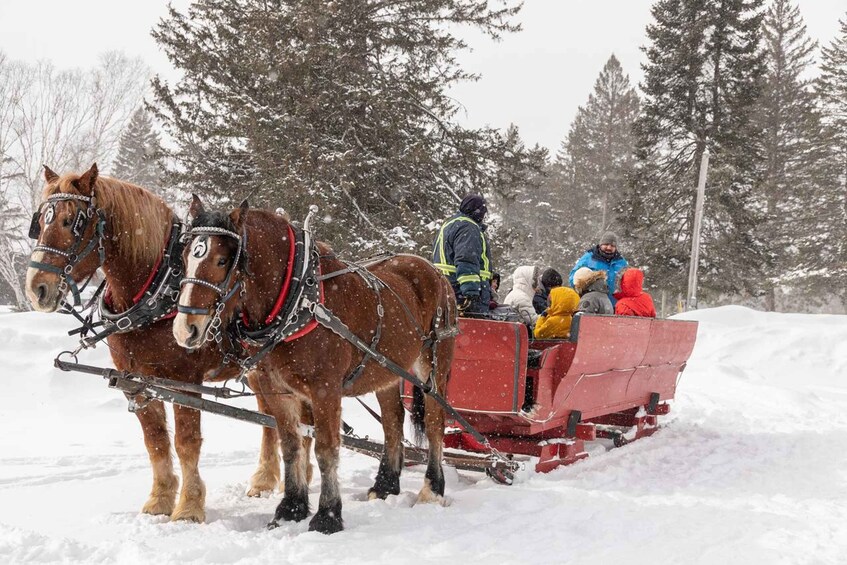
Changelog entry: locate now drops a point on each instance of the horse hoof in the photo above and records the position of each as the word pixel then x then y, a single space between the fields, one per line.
pixel 292 510
pixel 258 492
pixel 326 522
pixel 261 483
pixel 374 494
pixel 272 525
pixel 159 506
pixel 427 496
pixel 197 515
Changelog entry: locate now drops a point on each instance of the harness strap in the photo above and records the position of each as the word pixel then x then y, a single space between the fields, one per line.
pixel 160 288
pixel 286 283
pixel 327 319
pixel 72 256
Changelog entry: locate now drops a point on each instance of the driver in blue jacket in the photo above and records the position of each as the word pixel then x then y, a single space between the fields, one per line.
pixel 603 257
pixel 461 252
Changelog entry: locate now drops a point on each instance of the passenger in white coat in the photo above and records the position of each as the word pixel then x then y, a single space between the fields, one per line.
pixel 524 281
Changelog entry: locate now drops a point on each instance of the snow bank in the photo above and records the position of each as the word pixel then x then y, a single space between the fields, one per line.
pixel 749 468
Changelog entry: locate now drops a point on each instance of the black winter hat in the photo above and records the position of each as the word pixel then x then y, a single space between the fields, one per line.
pixel 551 278
pixel 474 206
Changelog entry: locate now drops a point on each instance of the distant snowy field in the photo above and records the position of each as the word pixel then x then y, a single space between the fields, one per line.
pixel 750 467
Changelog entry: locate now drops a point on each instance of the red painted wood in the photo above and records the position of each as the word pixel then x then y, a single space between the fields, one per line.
pixel 608 375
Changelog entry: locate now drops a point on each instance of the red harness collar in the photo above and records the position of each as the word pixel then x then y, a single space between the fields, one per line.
pixel 283 293
pixel 107 297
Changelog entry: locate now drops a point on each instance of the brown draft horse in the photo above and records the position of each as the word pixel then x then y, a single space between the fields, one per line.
pixel 136 231
pixel 314 365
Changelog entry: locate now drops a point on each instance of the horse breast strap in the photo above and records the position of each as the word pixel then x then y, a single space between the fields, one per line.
pixel 157 298
pixel 301 287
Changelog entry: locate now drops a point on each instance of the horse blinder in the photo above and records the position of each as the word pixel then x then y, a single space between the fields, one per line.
pixel 35 226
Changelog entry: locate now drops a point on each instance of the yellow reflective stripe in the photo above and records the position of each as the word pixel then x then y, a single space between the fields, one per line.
pixel 445 267
pixel 485 264
pixel 441 254
pixel 468 278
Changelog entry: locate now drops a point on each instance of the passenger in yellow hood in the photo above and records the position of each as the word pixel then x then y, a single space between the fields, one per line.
pixel 556 322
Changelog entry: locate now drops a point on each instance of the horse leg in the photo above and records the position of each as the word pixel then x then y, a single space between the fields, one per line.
pixel 307 419
pixel 187 438
pixel 155 428
pixel 327 411
pixel 266 477
pixel 295 500
pixel 391 464
pixel 433 489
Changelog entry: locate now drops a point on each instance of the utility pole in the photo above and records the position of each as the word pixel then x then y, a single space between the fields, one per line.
pixel 691 300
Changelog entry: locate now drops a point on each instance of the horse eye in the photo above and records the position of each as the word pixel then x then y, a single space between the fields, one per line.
pixel 223 261
pixel 66 222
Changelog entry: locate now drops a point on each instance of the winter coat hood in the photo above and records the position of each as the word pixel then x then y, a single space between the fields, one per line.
pixel 590 281
pixel 556 323
pixel 563 301
pixel 632 300
pixel 522 279
pixel 631 284
pixel 520 297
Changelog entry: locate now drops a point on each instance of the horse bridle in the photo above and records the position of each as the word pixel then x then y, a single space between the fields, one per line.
pixel 83 218
pixel 213 330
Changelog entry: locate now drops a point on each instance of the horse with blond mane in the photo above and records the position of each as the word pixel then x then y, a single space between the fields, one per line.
pixel 86 217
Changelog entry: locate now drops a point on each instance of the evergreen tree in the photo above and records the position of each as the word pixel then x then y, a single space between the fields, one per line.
pixel 702 78
pixel 341 103
pixel 599 151
pixel 140 153
pixel 521 217
pixel 824 251
pixel 793 141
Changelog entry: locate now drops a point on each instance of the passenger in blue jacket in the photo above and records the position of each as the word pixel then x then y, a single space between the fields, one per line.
pixel 462 253
pixel 603 257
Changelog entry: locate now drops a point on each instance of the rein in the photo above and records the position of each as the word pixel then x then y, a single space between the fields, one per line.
pixel 73 255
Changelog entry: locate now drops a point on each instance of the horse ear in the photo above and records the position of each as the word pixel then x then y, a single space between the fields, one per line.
pixel 49 175
pixel 196 208
pixel 238 213
pixel 85 183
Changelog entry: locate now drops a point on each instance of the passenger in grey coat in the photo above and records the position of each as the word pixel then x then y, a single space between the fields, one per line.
pixel 593 291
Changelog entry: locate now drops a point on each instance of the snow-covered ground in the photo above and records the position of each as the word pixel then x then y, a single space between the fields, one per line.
pixel 749 468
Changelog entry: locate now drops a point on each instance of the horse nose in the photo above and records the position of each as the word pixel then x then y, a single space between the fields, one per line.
pixel 193 335
pixel 41 292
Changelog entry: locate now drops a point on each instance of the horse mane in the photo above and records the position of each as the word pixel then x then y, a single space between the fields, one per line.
pixel 138 219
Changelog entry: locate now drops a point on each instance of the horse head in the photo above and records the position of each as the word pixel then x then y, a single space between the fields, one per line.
pixel 215 259
pixel 68 229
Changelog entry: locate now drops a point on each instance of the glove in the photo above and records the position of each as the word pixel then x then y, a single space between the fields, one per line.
pixel 472 305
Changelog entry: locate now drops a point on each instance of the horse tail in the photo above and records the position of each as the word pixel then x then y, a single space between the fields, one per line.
pixel 418 415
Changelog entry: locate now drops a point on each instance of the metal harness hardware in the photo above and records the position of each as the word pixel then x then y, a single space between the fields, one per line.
pixel 157 299
pixel 73 255
pixel 213 330
pixel 307 265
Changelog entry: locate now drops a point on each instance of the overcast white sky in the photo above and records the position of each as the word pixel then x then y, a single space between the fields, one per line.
pixel 536 78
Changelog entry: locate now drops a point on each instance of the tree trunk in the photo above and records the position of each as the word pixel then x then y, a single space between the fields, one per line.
pixel 770 298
